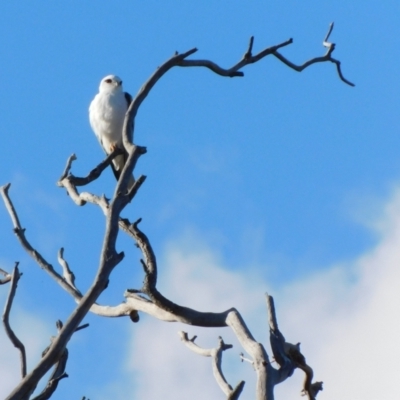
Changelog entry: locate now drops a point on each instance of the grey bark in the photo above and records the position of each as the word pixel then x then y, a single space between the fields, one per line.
pixel 148 299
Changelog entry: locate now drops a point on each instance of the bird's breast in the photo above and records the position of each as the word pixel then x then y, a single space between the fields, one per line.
pixel 107 115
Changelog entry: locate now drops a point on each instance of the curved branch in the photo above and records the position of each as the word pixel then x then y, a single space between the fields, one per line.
pixel 106 311
pixel 232 72
pixel 6 320
pixel 70 182
pixel 93 174
pixel 248 58
pixel 216 354
pixel 288 355
pixel 129 123
pixel 108 260
pixel 163 308
pixel 278 342
pixel 267 376
pixel 68 275
pixel 20 233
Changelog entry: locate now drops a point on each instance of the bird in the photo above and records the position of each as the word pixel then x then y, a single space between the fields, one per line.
pixel 106 116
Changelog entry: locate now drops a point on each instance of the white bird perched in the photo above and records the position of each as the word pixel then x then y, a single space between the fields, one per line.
pixel 106 114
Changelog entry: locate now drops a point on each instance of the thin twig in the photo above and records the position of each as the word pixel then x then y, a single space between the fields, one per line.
pixel 67 273
pixel 20 233
pixel 243 358
pixel 59 369
pixel 7 277
pixel 234 71
pixel 68 166
pixel 248 58
pixel 216 355
pixel 288 355
pixel 84 326
pixel 6 320
pixel 9 206
pixel 70 182
pixel 93 174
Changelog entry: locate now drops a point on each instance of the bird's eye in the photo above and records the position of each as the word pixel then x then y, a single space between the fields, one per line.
pixel 108 80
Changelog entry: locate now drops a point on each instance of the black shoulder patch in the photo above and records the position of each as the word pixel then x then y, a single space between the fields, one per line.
pixel 128 98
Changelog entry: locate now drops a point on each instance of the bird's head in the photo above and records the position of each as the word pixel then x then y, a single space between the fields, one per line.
pixel 110 83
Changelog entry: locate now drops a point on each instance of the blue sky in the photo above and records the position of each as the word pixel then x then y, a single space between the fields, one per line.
pixel 276 177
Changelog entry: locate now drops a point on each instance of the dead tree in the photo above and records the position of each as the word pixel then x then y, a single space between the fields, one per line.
pixel 148 299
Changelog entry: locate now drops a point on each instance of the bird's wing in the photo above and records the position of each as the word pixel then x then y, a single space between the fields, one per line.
pixel 128 98
pixel 94 117
pixel 120 160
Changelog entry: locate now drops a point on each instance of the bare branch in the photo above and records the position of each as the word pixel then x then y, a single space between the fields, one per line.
pixel 236 392
pixel 288 355
pixel 70 160
pixel 7 277
pixel 162 308
pixel 327 44
pixel 9 206
pixel 67 273
pixel 243 358
pixel 232 72
pixel 70 182
pixel 109 259
pixel 93 174
pixel 59 369
pixel 84 326
pixel 58 372
pixel 129 123
pixel 327 57
pixel 315 388
pixel 6 320
pixel 216 354
pixel 55 378
pixel 149 287
pixel 118 311
pixel 248 58
pixel 20 233
pixel 250 49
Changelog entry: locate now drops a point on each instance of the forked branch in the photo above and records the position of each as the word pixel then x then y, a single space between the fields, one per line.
pixel 288 355
pixel 216 355
pixel 93 174
pixel 181 60
pixel 148 298
pixel 70 182
pixel 249 58
pixel 20 233
pixel 59 367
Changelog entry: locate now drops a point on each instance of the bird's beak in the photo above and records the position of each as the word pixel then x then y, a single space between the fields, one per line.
pixel 120 83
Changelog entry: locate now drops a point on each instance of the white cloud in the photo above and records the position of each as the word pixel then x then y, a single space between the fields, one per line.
pixel 347 318
pixel 350 318
pixel 161 364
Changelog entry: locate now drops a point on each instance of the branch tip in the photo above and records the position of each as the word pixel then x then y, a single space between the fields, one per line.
pixel 81 327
